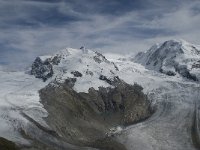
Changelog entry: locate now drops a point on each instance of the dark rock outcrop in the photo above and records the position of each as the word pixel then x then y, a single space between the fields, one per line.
pixel 76 74
pixel 55 60
pixel 99 58
pixel 88 72
pixel 184 71
pixel 83 118
pixel 196 65
pixel 42 69
pixel 111 81
pixel 7 145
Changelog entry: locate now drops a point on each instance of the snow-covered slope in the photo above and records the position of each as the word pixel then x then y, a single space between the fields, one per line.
pixel 173 57
pixel 18 94
pixel 89 68
pixel 174 97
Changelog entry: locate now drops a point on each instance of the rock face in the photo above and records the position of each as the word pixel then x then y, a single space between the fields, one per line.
pixel 99 58
pixel 112 81
pixel 7 145
pixel 42 69
pixel 76 74
pixel 83 118
pixel 174 57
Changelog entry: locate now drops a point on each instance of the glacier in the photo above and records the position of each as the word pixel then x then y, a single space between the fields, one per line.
pixel 160 71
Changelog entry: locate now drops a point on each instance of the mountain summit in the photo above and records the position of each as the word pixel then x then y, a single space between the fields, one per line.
pixel 85 97
pixel 87 67
pixel 173 57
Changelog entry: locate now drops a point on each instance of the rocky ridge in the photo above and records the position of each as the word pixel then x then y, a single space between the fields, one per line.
pixel 84 118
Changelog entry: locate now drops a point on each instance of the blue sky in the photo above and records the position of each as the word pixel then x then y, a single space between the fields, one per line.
pixel 29 28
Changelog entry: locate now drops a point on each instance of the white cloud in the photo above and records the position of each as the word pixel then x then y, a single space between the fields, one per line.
pixel 127 33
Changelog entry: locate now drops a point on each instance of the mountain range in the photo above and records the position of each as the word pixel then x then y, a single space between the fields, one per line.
pixel 79 99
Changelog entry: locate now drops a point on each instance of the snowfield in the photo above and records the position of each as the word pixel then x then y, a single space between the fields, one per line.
pixel 174 98
pixel 170 126
pixel 18 93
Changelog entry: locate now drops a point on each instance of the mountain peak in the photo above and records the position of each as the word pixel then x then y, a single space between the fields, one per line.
pixel 86 66
pixel 178 46
pixel 172 57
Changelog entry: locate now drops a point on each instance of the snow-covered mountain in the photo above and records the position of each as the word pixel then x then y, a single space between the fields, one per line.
pixel 77 97
pixel 173 57
pixel 88 67
pixel 81 84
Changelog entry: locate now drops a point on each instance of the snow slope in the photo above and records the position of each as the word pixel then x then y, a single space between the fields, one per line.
pixel 174 99
pixel 173 57
pixel 18 93
pixel 22 113
pixel 85 65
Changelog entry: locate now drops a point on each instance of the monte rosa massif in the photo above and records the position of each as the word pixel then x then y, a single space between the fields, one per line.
pixel 77 99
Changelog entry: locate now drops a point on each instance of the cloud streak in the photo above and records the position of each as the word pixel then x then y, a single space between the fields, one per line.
pixel 33 27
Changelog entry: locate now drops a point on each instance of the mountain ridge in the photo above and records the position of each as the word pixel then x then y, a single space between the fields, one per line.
pixel 90 68
pixel 173 57
pixel 81 90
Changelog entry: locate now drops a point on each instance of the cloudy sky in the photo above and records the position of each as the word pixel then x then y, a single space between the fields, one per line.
pixel 35 27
